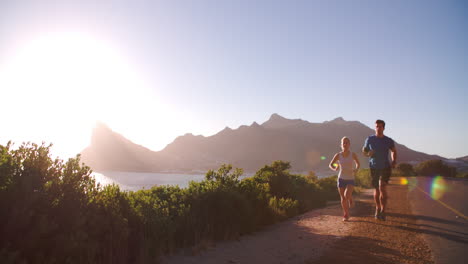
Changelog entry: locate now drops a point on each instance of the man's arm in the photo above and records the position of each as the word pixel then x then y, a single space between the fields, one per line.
pixel 365 149
pixel 394 156
pixel 367 152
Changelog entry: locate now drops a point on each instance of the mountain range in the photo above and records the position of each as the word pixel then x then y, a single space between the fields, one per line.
pixel 308 146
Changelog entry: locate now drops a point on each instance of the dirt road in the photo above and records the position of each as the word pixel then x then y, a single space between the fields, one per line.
pixel 320 236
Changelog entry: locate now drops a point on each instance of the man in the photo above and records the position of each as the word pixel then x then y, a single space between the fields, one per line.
pixel 376 148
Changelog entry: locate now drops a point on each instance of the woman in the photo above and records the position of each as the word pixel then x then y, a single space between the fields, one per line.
pixel 345 161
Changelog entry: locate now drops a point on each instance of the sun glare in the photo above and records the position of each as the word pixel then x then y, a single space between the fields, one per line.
pixel 57 86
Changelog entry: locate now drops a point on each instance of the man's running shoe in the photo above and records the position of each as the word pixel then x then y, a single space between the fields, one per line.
pixel 383 217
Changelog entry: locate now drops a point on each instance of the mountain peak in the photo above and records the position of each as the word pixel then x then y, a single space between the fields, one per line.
pixel 276 121
pixel 338 120
pixel 101 126
pixel 100 131
pixel 276 117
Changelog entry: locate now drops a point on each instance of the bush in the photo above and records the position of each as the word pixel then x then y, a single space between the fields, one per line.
pixel 283 184
pixel 435 168
pixel 363 178
pixel 329 187
pixel 258 196
pixel 284 207
pixel 43 203
pixel 219 214
pixel 405 169
pixel 462 175
pixel 54 212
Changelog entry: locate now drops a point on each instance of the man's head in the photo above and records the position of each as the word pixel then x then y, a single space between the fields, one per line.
pixel 379 127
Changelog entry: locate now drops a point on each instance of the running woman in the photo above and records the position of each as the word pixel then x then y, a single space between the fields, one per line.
pixel 348 164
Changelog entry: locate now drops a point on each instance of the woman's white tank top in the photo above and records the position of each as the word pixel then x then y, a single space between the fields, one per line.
pixel 346 166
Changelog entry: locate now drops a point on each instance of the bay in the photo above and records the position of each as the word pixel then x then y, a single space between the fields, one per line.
pixel 133 181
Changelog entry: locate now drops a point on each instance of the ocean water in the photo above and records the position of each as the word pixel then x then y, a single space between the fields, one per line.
pixel 133 181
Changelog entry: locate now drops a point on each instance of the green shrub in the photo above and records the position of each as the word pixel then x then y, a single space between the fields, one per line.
pixel 54 212
pixel 435 168
pixel 284 207
pixel 258 196
pixel 44 205
pixel 404 169
pixel 363 178
pixel 283 184
pixel 329 186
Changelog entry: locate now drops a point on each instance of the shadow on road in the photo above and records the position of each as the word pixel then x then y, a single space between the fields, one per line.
pixel 456 238
pixel 360 250
pixel 434 227
pixel 427 218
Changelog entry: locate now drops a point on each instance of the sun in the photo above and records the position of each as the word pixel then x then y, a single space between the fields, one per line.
pixel 57 85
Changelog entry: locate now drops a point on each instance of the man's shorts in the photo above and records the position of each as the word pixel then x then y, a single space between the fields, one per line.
pixel 342 183
pixel 380 174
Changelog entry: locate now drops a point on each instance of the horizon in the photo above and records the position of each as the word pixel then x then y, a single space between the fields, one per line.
pixel 156 71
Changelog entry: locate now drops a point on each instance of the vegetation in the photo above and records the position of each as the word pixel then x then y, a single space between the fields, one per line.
pixel 329 186
pixel 426 168
pixel 405 169
pixel 54 212
pixel 435 168
pixel 363 178
pixel 463 175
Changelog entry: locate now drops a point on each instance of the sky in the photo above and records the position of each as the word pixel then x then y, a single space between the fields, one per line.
pixel 156 70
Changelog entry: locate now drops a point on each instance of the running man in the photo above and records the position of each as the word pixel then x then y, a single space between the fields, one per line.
pixel 376 147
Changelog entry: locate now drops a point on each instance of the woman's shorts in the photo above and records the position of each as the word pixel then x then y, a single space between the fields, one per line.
pixel 342 183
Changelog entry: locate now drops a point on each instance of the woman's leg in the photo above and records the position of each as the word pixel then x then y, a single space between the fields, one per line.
pixel 344 202
pixel 349 194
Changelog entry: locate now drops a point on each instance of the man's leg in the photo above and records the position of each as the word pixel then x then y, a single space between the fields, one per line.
pixel 383 195
pixel 377 201
pixel 375 183
pixel 383 190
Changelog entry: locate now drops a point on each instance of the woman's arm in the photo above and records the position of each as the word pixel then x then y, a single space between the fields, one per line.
pixel 333 164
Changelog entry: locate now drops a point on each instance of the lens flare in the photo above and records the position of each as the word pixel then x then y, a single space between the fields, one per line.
pixel 335 165
pixel 404 181
pixel 438 188
pixel 412 183
pixel 323 158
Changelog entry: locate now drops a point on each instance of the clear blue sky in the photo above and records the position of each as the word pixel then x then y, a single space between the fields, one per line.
pixel 199 66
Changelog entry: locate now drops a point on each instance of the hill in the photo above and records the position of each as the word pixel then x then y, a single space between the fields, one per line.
pixel 308 146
